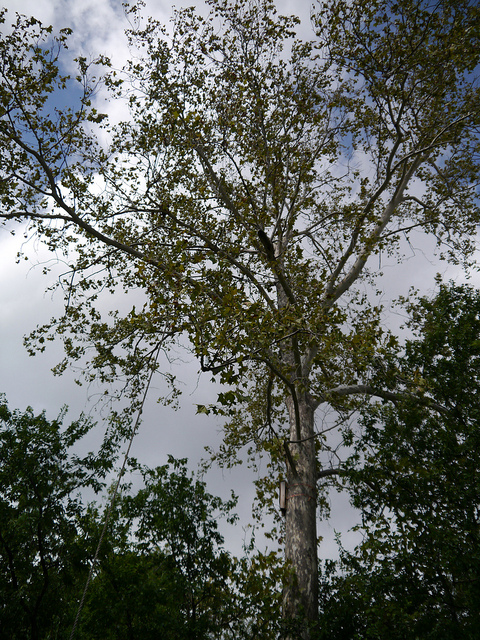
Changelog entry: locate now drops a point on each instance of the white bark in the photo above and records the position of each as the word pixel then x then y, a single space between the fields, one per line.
pixel 300 598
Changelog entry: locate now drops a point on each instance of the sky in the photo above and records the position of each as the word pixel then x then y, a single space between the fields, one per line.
pixel 98 28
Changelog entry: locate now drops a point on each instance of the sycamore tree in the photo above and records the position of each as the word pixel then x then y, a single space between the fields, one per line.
pixel 252 180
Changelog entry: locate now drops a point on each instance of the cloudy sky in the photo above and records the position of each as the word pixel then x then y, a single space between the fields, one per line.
pixel 98 28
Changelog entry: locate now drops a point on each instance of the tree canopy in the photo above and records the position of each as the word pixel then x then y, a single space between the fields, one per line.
pixel 164 571
pixel 161 570
pixel 41 555
pixel 414 478
pixel 245 193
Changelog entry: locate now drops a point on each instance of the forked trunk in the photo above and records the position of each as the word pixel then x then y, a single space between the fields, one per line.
pixel 300 598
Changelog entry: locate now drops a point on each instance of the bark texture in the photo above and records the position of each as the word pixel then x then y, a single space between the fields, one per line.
pixel 300 598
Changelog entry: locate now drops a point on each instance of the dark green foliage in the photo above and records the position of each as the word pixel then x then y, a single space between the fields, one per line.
pixel 162 570
pixel 165 573
pixel 417 572
pixel 41 559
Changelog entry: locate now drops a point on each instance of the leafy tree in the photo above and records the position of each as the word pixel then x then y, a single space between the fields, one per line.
pixel 417 572
pixel 41 559
pixel 162 570
pixel 254 178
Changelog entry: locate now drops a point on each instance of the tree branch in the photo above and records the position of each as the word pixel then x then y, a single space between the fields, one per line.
pixel 333 471
pixel 332 295
pixel 365 389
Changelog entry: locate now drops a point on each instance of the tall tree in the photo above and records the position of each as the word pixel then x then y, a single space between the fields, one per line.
pixel 415 479
pixel 41 559
pixel 253 179
pixel 163 570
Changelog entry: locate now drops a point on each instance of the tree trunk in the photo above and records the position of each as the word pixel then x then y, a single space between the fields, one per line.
pixel 300 598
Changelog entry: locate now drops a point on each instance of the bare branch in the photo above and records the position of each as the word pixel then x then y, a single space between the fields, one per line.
pixel 365 389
